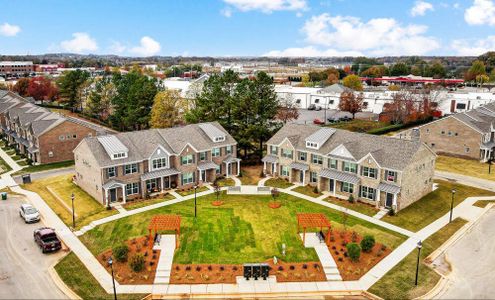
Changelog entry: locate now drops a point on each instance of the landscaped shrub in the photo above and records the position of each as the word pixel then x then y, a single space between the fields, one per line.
pixel 292 267
pixel 315 190
pixel 120 252
pixel 354 237
pixel 304 266
pixel 391 212
pixel 137 262
pixel 234 268
pixel 354 251
pixel 280 268
pixel 188 268
pixel 351 198
pixel 222 268
pixel 367 243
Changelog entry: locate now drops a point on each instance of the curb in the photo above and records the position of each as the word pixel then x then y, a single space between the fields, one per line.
pixel 60 283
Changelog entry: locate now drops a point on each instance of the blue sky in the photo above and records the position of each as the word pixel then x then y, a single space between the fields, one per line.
pixel 248 27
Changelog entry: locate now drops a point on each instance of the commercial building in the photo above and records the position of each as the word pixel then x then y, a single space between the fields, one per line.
pixel 10 68
pixel 41 135
pixel 381 171
pixel 116 168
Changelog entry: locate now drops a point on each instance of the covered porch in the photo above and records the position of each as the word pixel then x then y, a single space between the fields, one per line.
pixel 339 183
pixel 486 151
pixel 387 195
pixel 298 172
pixel 232 166
pixel 207 171
pixel 270 164
pixel 114 192
pixel 160 180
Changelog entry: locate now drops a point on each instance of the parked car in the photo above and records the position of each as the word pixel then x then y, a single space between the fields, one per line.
pixel 344 119
pixel 318 122
pixel 312 107
pixel 318 108
pixel 29 213
pixel 47 240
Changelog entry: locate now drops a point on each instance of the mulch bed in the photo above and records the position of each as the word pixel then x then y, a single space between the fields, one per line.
pixel 122 271
pixel 217 273
pixel 348 269
pixel 275 204
pixel 217 203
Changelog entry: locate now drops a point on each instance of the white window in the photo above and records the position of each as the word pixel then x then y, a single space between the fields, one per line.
pixel 302 156
pixel 151 184
pixel 218 170
pixel 61 137
pixel 390 176
pixel 347 187
pixel 215 152
pixel 132 188
pixel 228 149
pixel 367 192
pixel 332 163
pixel 350 167
pixel 316 159
pixel 202 156
pixel 313 177
pixel 287 153
pixel 130 169
pixel 274 150
pixel 111 172
pixel 284 170
pixel 186 159
pixel 159 163
pixel 368 172
pixel 119 155
pixel 219 139
pixel 312 145
pixel 187 178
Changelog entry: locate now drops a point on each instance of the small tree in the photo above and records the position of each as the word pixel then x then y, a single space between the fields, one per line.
pixel 217 188
pixel 137 262
pixel 351 198
pixel 353 82
pixel 351 102
pixel 288 109
pixel 367 243
pixel 275 193
pixel 345 216
pixel 354 251
pixel 120 252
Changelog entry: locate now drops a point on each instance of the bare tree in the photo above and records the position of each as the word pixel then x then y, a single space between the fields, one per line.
pixel 288 109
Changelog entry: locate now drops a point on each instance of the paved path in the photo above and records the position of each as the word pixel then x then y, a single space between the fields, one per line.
pixel 236 180
pixel 47 173
pixel 23 268
pixel 380 214
pixel 466 180
pixel 472 276
pixel 164 267
pixel 329 266
pixel 263 180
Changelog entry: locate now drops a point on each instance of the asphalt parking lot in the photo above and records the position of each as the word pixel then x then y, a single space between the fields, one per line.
pixel 23 268
pixel 307 116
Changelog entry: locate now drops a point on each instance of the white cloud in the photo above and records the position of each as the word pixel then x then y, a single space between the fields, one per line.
pixel 474 47
pixel 117 47
pixel 147 47
pixel 381 36
pixel 420 8
pixel 7 29
pixel 480 13
pixel 226 12
pixel 310 51
pixel 81 43
pixel 268 6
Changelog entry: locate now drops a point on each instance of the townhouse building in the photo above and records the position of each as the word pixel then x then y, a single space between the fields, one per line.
pixel 116 168
pixel 378 170
pixel 469 134
pixel 38 133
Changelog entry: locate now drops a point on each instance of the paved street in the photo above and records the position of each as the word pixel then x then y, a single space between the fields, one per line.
pixel 466 180
pixel 472 259
pixel 23 271
pixel 45 174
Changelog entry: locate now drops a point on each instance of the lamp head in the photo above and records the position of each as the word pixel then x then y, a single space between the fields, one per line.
pixel 110 261
pixel 419 245
pixel 453 191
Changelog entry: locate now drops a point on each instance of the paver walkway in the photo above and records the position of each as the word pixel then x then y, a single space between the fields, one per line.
pixel 249 190
pixel 263 180
pixel 329 266
pixel 381 213
pixel 164 267
pixel 236 180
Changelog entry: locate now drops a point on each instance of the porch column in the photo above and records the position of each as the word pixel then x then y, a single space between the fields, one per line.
pixel 334 187
pixel 226 169
pixel 378 195
pixel 275 170
pixel 106 197
pixel 264 167
pixel 124 196
pixel 304 176
pixel 161 183
pixel 394 202
pixel 238 167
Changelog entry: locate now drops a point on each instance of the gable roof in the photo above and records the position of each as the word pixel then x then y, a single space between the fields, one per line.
pixel 388 152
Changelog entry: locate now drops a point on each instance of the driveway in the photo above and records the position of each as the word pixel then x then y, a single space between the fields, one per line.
pixel 466 180
pixel 307 116
pixel 472 259
pixel 23 268
pixel 45 174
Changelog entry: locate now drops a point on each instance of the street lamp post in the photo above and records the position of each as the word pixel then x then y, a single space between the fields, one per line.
pixel 110 262
pixel 73 212
pixel 419 246
pixel 195 208
pixel 452 205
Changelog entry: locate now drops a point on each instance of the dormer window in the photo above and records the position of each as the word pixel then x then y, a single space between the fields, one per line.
pixel 119 155
pixel 219 139
pixel 312 145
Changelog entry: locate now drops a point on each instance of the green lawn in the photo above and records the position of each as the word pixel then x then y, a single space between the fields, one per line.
pixel 307 190
pixel 191 191
pixel 86 207
pixel 357 125
pixel 433 206
pixel 226 182
pixel 4 167
pixel 251 174
pixel 278 183
pixel 138 204
pixel 356 206
pixel 45 167
pixel 483 203
pixel 22 162
pixel 244 229
pixel 75 275
pixel 466 167
pixel 398 283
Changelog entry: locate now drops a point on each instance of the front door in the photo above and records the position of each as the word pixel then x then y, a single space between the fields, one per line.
pixel 331 183
pixel 113 195
pixel 390 200
pixel 301 177
pixel 166 182
pixel 203 175
pixel 273 169
pixel 229 169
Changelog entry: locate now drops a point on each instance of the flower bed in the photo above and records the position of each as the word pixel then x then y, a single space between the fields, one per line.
pixel 123 272
pixel 353 270
pixel 215 273
pixel 275 204
pixel 217 203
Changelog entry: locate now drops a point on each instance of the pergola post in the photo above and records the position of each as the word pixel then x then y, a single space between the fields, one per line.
pixel 304 236
pixel 328 236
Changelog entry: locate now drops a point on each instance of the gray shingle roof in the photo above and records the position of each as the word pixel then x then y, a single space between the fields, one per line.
pixel 388 152
pixel 479 118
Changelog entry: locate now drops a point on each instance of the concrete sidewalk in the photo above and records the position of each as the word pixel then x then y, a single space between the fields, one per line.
pixel 466 180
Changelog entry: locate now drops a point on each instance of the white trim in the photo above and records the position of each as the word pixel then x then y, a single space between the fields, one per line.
pixel 185 146
pixel 369 154
pixel 338 148
pixel 286 138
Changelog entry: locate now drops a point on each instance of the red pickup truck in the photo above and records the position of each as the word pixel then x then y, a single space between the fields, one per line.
pixel 47 240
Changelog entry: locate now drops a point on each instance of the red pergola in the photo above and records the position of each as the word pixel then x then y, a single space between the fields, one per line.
pixel 165 222
pixel 313 220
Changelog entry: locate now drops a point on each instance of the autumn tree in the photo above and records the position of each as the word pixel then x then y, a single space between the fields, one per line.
pixel 477 68
pixel 353 82
pixel 21 87
pixel 351 102
pixel 288 109
pixel 42 88
pixel 168 109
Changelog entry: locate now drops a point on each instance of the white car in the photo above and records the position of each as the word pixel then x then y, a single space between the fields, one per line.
pixel 29 213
